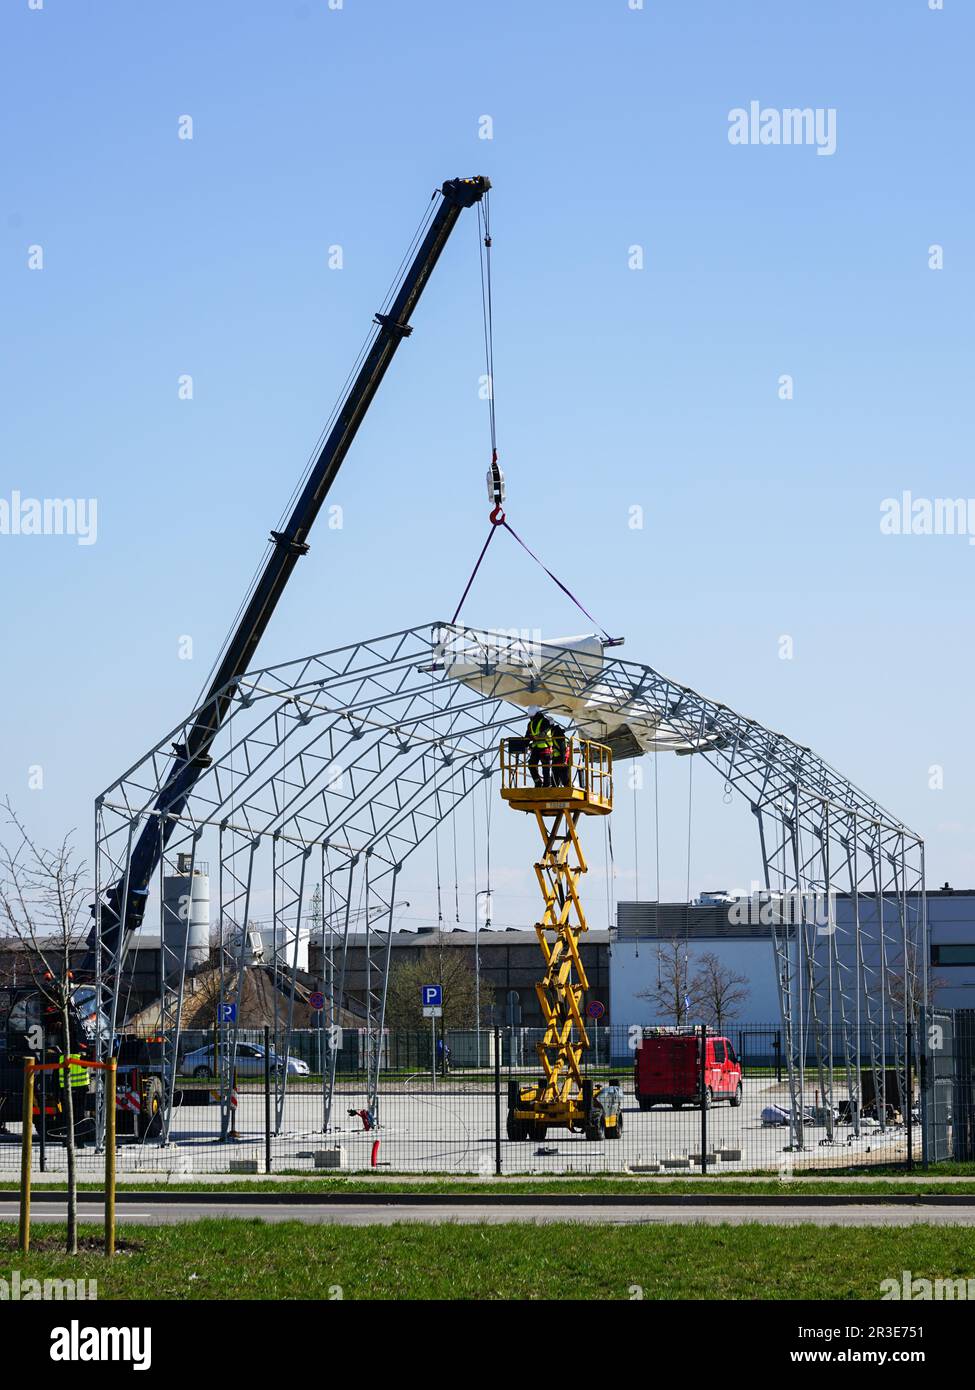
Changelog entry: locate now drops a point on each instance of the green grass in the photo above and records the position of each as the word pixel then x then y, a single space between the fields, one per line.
pixel 533 1186
pixel 230 1259
pixel 948 1169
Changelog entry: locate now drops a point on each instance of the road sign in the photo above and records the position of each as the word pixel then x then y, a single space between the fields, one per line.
pixel 595 1009
pixel 431 996
pixel 432 1011
pixel 226 1013
pixel 316 1000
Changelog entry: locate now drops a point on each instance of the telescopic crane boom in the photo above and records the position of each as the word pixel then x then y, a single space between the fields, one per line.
pixel 122 909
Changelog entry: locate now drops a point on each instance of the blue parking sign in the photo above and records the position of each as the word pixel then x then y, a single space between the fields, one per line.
pixel 226 1013
pixel 431 996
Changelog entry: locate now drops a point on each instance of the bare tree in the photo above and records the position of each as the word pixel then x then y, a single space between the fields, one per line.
pixel 206 992
pixel 403 1006
pixel 719 990
pixel 8 965
pixel 43 896
pixel 895 981
pixel 675 992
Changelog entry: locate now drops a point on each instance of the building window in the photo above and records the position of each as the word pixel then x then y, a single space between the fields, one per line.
pixel 955 954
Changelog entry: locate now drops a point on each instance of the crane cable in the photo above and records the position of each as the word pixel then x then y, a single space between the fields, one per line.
pixel 495 475
pixel 436 843
pixel 485 243
pixel 487 312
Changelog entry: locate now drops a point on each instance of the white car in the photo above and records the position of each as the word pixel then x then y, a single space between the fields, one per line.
pixel 250 1061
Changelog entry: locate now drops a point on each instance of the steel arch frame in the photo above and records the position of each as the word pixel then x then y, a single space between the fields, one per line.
pixel 351 758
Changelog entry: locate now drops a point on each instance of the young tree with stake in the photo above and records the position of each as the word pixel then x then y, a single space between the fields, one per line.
pixel 43 905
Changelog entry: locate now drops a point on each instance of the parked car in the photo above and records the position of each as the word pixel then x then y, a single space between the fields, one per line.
pixel 250 1061
pixel 667 1069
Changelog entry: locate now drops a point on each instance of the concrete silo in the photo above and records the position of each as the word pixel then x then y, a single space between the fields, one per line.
pixel 186 916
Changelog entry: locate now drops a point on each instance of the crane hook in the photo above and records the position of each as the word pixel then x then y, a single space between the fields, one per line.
pixel 496 489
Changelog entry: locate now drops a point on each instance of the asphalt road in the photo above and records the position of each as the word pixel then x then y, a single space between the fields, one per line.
pixel 385 1214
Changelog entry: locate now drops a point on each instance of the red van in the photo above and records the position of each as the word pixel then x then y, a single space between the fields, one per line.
pixel 667 1069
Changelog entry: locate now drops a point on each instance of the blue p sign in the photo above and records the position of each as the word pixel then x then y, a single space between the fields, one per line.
pixel 432 996
pixel 227 1013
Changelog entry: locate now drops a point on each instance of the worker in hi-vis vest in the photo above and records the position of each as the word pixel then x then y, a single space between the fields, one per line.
pixel 560 755
pixel 77 1074
pixel 539 736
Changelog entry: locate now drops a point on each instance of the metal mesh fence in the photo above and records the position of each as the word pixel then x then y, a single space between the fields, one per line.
pixel 443 1108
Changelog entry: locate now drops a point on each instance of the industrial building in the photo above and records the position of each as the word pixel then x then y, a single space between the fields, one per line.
pixel 622 967
pixel 714 925
pixel 141 973
pixel 508 966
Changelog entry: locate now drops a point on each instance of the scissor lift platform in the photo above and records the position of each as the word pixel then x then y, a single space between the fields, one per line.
pixel 555 799
pixel 582 785
pixel 587 785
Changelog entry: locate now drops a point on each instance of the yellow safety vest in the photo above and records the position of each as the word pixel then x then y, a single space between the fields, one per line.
pixel 540 731
pixel 77 1074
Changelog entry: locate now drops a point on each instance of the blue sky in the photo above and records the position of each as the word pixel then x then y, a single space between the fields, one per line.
pixel 657 388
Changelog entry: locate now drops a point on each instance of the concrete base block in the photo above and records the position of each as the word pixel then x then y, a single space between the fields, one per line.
pixel 243 1165
pixel 334 1157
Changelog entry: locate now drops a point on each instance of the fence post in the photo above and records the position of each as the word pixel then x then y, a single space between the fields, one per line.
pixel 42 1117
pixel 27 1121
pixel 909 1098
pixel 110 1080
pixel 267 1099
pixel 704 1100
pixel 922 1067
pixel 497 1101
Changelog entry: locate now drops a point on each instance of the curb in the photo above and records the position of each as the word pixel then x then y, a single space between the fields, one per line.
pixel 471 1199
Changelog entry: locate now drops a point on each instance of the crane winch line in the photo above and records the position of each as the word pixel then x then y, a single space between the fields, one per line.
pixel 495 476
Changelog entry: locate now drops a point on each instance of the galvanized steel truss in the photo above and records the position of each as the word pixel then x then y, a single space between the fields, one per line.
pixel 335 767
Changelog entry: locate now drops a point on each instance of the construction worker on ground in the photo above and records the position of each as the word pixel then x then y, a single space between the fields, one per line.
pixel 539 738
pixel 77 1073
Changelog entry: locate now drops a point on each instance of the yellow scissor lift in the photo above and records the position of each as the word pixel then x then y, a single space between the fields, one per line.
pixel 562 1097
